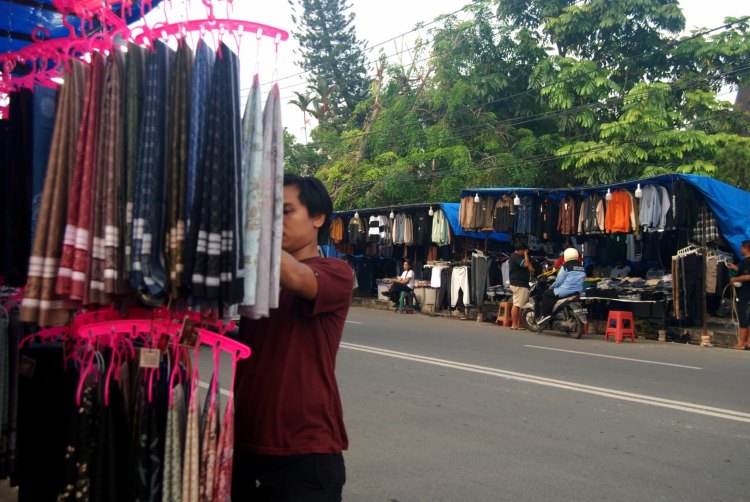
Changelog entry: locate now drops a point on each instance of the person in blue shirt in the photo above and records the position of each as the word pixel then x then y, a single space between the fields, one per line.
pixel 569 282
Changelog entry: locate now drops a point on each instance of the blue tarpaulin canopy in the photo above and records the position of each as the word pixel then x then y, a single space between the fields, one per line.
pixel 19 18
pixel 730 204
pixel 451 213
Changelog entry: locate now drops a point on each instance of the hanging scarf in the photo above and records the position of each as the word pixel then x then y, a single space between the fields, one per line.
pixel 175 432
pixel 191 462
pixel 209 443
pixel 74 263
pixel 105 258
pixel 40 304
pixel 135 69
pixel 200 86
pixel 271 214
pixel 43 123
pixel 222 490
pixel 148 275
pixel 252 158
pixel 273 159
pixel 216 277
pixel 176 163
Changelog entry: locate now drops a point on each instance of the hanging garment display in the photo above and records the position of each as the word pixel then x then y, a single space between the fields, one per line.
pixel 40 303
pixel 135 70
pixel 620 215
pixel 466 212
pixel 177 158
pixel 566 222
pixel 525 216
pixel 43 127
pixel 123 436
pixel 440 229
pixel 74 261
pixel 504 215
pixel 112 159
pixel 591 218
pixel 252 158
pixel 148 276
pixel 271 213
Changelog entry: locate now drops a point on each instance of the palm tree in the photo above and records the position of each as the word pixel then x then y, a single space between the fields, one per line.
pixel 303 102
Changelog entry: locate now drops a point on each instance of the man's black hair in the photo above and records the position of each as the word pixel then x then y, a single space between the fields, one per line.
pixel 520 246
pixel 746 244
pixel 314 196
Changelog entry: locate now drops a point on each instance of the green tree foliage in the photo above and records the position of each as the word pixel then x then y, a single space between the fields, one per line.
pixel 544 93
pixel 331 53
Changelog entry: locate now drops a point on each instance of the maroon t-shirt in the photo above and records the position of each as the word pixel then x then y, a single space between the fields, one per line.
pixel 286 398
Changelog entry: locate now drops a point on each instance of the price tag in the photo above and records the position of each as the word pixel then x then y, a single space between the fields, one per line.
pixel 149 358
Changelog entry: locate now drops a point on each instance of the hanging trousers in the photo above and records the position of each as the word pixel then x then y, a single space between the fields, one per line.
pixel 443 297
pixel 460 282
pixel 480 268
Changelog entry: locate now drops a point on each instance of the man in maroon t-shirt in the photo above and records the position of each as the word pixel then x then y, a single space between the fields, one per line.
pixel 289 427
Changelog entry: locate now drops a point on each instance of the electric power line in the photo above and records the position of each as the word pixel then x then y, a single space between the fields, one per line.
pixel 462 132
pixel 557 82
pixel 419 27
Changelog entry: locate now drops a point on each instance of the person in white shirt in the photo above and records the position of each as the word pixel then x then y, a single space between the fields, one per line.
pixel 404 282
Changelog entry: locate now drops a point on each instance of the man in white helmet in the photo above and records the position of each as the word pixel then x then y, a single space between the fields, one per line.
pixel 569 282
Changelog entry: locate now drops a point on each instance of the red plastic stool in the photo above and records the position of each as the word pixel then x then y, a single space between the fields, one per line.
pixel 620 324
pixel 503 314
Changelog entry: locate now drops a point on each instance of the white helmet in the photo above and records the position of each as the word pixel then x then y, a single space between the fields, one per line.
pixel 570 254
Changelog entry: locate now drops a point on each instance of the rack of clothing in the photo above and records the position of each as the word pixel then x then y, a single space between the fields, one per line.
pixel 128 389
pixel 147 190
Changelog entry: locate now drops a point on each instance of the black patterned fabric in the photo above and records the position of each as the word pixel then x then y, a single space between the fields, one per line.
pixel 148 275
pixel 215 271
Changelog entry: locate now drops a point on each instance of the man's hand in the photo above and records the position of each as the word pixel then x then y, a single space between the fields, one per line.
pixel 732 266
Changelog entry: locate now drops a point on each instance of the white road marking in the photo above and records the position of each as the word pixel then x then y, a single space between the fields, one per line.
pixel 223 392
pixel 738 416
pixel 615 357
pixel 355 322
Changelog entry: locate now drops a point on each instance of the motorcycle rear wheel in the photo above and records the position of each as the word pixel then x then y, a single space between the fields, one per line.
pixel 577 331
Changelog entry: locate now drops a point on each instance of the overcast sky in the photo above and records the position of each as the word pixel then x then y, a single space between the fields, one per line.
pixel 376 21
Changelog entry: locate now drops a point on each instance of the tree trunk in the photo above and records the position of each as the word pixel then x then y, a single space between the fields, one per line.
pixel 372 116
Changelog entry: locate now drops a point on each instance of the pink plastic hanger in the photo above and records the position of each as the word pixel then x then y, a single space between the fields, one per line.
pixel 139 35
pixel 47 335
pixel 223 343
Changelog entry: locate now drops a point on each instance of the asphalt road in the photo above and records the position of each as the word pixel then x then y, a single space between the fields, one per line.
pixel 445 410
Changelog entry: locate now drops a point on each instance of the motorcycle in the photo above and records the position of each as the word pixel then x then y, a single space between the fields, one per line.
pixel 568 315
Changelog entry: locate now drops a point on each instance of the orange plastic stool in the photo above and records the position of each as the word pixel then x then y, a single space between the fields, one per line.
pixel 620 324
pixel 503 314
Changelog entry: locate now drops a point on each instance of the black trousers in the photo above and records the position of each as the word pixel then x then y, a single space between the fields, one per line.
pixel 743 311
pixel 548 302
pixel 317 477
pixel 394 292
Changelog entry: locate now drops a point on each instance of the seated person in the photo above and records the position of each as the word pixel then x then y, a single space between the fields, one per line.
pixel 569 282
pixel 405 282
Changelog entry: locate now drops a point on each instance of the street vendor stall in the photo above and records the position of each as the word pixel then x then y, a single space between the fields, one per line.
pixel 658 241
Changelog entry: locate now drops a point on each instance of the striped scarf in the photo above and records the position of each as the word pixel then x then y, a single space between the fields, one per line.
pixel 40 304
pixel 135 69
pixel 77 244
pixel 179 106
pixel 216 274
pixel 148 275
